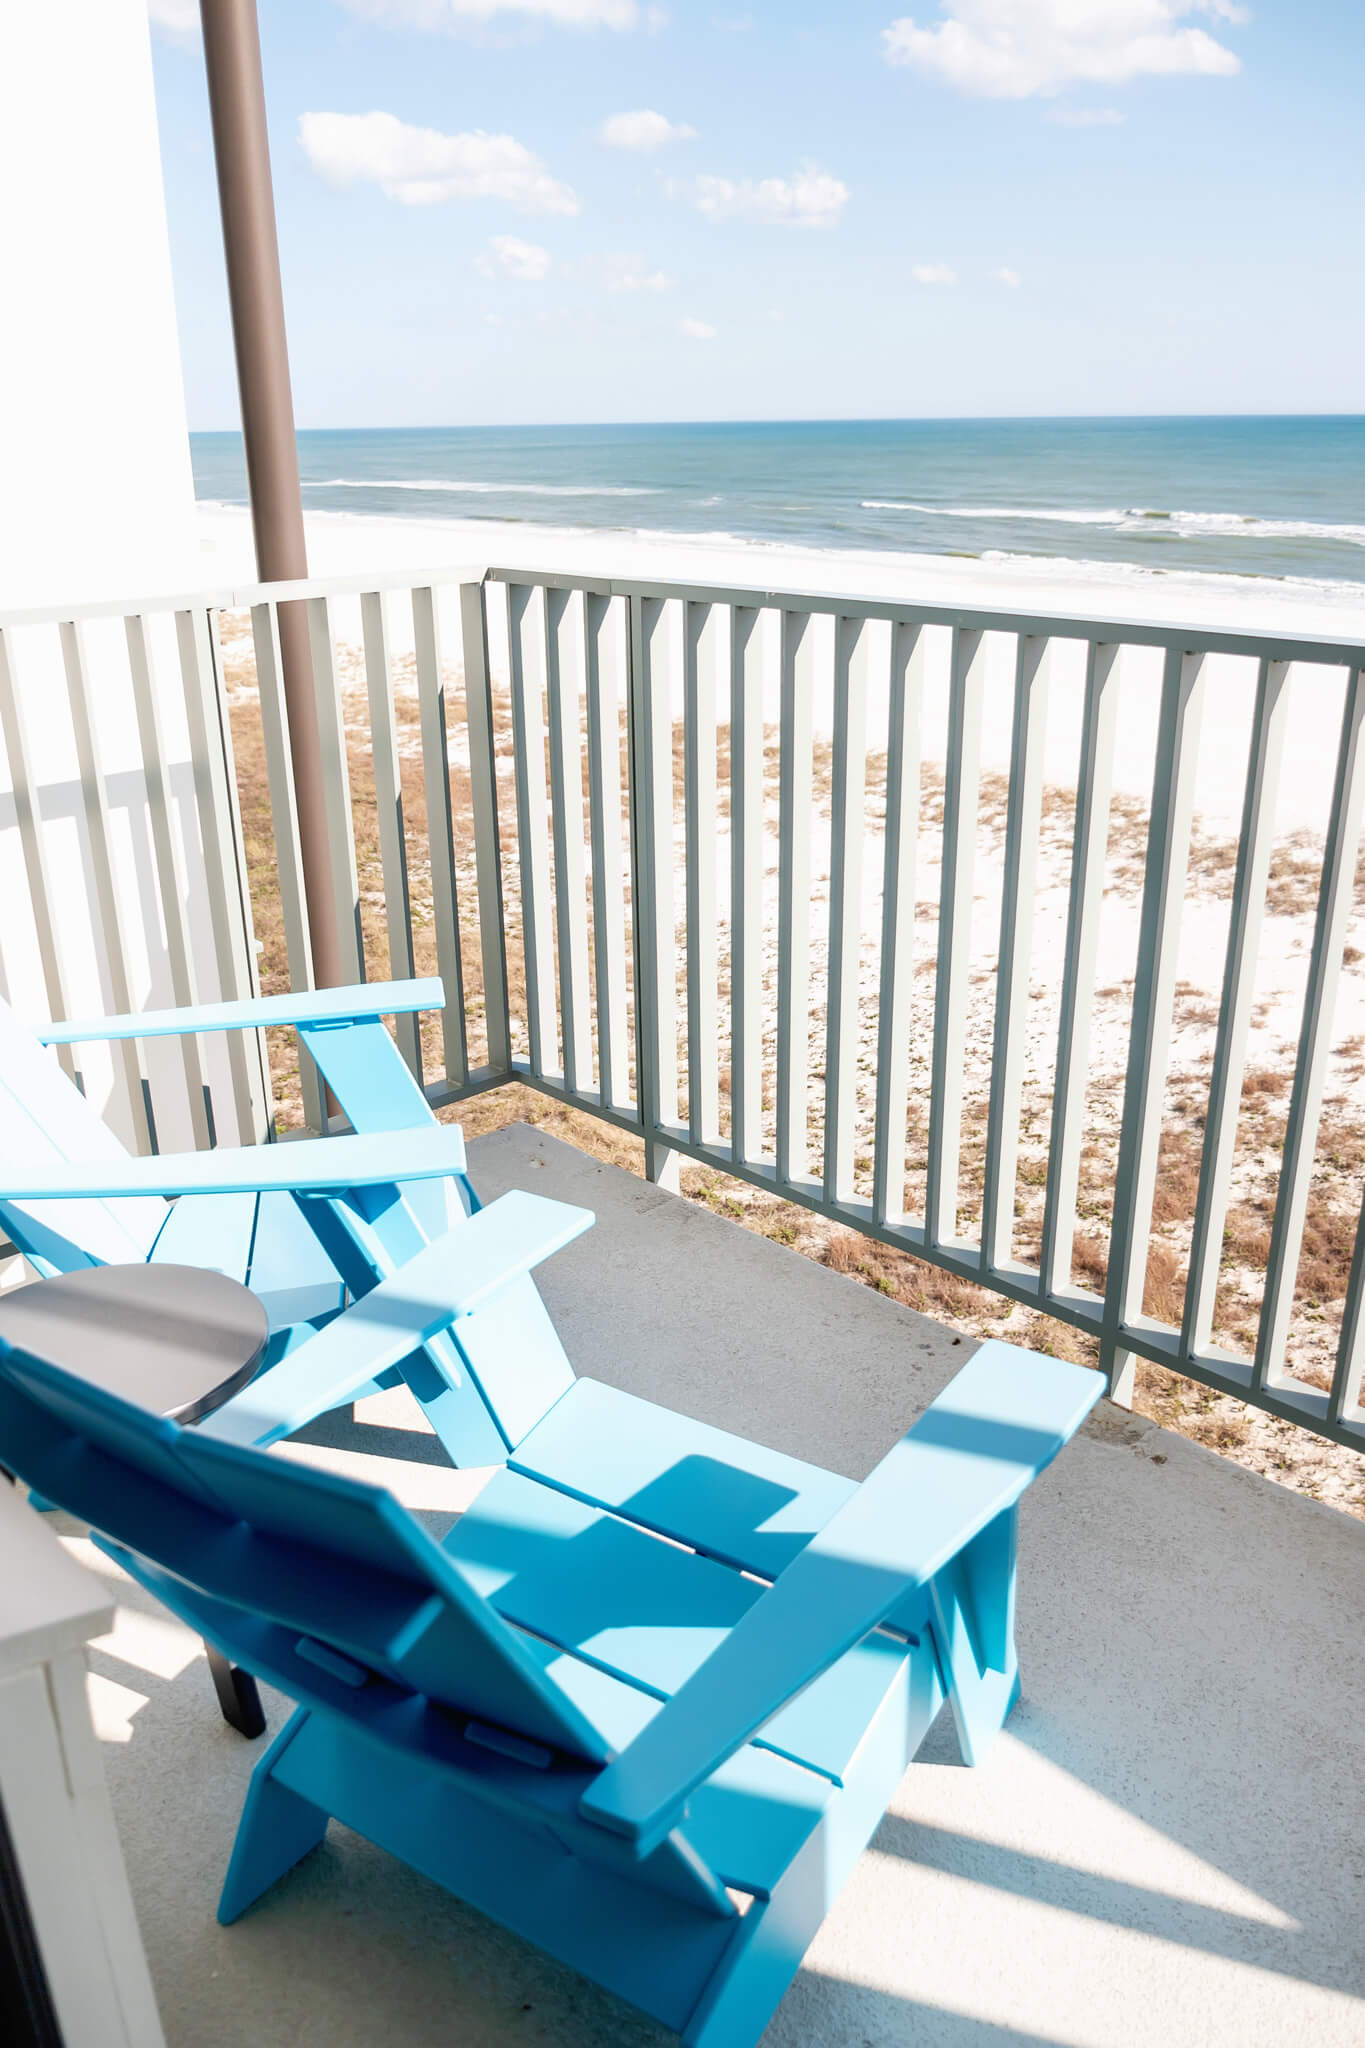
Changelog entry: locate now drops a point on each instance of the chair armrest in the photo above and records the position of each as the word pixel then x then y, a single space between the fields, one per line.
pixel 969 1458
pixel 320 1006
pixel 451 1277
pixel 314 1166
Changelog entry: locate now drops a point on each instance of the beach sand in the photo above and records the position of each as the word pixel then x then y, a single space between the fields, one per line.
pixel 341 545
pixel 404 550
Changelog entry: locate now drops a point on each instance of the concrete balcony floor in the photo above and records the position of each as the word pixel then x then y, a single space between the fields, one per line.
pixel 1166 1846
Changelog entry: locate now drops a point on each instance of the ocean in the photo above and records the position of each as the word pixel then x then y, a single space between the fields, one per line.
pixel 1268 497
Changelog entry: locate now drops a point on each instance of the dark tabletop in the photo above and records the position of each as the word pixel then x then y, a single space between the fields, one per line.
pixel 175 1339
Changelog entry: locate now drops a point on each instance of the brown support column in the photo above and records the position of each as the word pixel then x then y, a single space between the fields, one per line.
pixel 232 55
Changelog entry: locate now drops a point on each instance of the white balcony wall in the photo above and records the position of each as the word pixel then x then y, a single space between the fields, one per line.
pixel 96 502
pixel 96 497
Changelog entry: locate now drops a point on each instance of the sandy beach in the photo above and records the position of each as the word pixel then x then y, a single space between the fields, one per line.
pixel 341 545
pixel 402 550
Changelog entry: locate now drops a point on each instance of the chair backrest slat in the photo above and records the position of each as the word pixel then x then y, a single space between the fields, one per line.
pixel 272 1541
pixel 43 1115
pixel 511 1346
pixel 370 1079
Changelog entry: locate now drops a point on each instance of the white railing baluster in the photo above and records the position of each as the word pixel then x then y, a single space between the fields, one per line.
pixel 483 784
pixel 848 831
pixel 223 848
pixel 109 913
pixel 1335 905
pixel 908 658
pixel 533 838
pixel 279 777
pixel 746 886
pixel 1234 1018
pixel 172 891
pixel 652 888
pixel 794 894
pixel 1022 828
pixel 284 818
pixel 1163 894
pixel 389 816
pixel 961 807
pixel 1089 844
pixel 701 626
pixel 608 872
pixel 434 729
pixel 571 884
pixel 336 791
pixel 14 723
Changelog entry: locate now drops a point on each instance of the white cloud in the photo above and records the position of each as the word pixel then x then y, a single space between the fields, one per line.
pixel 439 14
pixel 1009 277
pixel 629 274
pixel 422 167
pixel 642 130
pixel 1009 49
pixel 178 20
pixel 697 330
pixel 811 198
pixel 509 256
pixel 932 273
pixel 1086 117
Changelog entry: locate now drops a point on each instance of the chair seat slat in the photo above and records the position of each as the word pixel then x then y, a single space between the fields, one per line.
pixel 738 1501
pixel 647 1610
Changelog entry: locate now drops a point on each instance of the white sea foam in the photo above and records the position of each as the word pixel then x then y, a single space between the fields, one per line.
pixel 995 512
pixel 348 542
pixel 1178 525
pixel 433 483
pixel 1331 590
pixel 1239 524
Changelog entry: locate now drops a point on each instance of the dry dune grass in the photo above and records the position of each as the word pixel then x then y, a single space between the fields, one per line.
pixel 1294 1456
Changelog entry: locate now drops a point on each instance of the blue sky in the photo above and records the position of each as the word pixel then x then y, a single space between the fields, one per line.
pixel 568 210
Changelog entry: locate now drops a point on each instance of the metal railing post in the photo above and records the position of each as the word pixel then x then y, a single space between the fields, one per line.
pixel 662 1162
pixel 241 146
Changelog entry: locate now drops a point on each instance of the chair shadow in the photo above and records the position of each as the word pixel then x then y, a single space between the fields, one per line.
pixel 340 1430
pixel 1207 1829
pixel 574 1589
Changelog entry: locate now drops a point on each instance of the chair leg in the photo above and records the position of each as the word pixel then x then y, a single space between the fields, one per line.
pixel 973 1627
pixel 277 1829
pixel 765 1952
pixel 237 1695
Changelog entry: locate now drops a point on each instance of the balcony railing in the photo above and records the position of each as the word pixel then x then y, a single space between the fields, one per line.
pixel 788 884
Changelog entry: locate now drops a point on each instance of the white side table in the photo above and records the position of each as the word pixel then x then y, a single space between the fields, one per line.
pixel 72 1970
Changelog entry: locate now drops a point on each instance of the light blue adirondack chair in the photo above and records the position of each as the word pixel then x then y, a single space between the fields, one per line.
pixel 255 1233
pixel 659 1764
pixel 302 1224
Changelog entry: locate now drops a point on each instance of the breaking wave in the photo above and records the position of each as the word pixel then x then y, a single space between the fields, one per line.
pixel 1138 519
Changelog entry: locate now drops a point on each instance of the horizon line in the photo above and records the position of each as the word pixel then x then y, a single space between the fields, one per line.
pixel 813 420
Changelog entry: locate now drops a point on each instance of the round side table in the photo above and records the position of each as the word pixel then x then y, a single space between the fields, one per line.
pixel 176 1339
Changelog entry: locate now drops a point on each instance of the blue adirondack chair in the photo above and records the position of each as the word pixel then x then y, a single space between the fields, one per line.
pixel 301 1224
pixel 657 1763
pixel 256 1234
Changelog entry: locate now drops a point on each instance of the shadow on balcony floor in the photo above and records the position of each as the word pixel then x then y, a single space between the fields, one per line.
pixel 1163 1849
